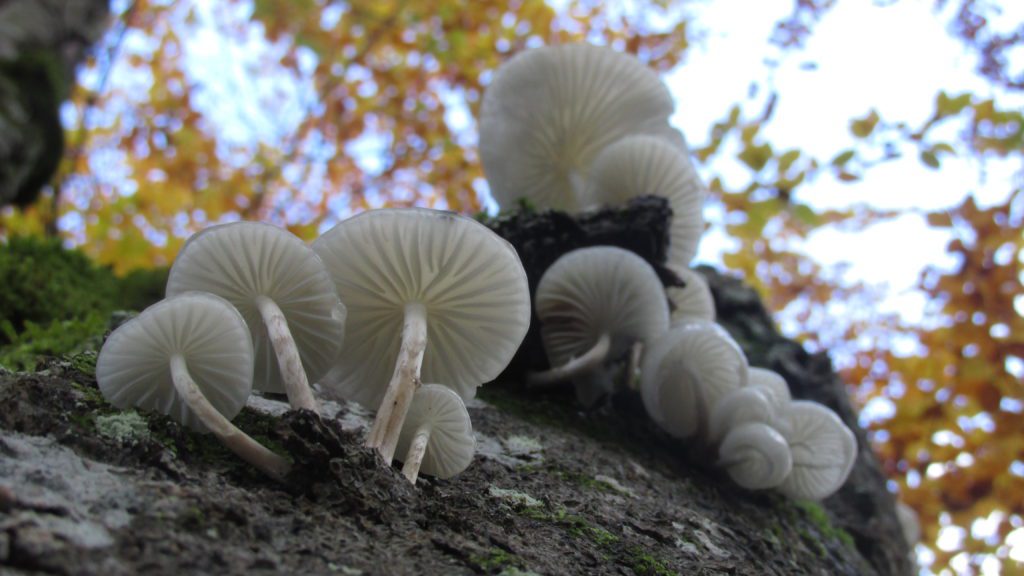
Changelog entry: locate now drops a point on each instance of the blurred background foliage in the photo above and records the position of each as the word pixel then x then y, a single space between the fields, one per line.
pixel 367 103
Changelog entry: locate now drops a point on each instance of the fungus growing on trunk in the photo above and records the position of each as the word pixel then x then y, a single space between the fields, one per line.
pixel 437 437
pixel 549 111
pixel 756 456
pixel 593 304
pixel 642 165
pixel 189 357
pixel 687 372
pixel 431 295
pixel 283 292
pixel 824 451
pixel 693 301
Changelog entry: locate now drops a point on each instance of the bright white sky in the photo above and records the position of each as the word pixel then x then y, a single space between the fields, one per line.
pixel 893 58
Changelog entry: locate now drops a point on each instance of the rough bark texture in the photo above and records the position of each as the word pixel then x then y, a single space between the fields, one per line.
pixel 86 489
pixel 41 42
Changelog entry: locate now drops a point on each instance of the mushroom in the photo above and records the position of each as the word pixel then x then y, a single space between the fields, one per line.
pixel 740 406
pixel 693 301
pixel 189 357
pixel 549 111
pixel 687 372
pixel 756 456
pixel 641 165
pixel 430 295
pixel 824 450
pixel 283 292
pixel 437 437
pixel 593 304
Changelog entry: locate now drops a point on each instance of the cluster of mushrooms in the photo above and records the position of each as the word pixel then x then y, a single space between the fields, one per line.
pixel 580 127
pixel 428 296
pixel 418 295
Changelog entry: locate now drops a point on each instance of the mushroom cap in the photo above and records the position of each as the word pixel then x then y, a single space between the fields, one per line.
pixel 756 456
pixel 824 451
pixel 774 385
pixel 452 443
pixel 692 302
pixel 695 364
pixel 740 406
pixel 134 371
pixel 549 111
pixel 242 261
pixel 599 290
pixel 468 278
pixel 642 165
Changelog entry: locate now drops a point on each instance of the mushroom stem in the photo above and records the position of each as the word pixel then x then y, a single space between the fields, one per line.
pixel 296 385
pixel 417 448
pixel 271 464
pixel 636 353
pixel 589 361
pixel 404 381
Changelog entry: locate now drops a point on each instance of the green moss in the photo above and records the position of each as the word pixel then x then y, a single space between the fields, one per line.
pixel 823 523
pixel 495 559
pixel 646 565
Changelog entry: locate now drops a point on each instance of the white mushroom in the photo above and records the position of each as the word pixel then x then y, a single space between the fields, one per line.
pixel 693 301
pixel 549 111
pixel 824 451
pixel 431 295
pixel 642 165
pixel 593 304
pixel 189 357
pixel 777 392
pixel 740 406
pixel 283 292
pixel 437 437
pixel 687 372
pixel 756 456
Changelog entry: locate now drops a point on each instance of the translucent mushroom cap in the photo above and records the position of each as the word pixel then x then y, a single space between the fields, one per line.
pixel 756 456
pixel 687 372
pixel 738 407
pixel 242 261
pixel 693 301
pixel 133 369
pixel 642 165
pixel 549 111
pixel 452 444
pixel 824 451
pixel 468 278
pixel 594 291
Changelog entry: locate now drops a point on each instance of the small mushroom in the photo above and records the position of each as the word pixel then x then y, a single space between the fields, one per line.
pixel 437 437
pixel 756 456
pixel 283 292
pixel 593 304
pixel 824 450
pixel 189 357
pixel 641 165
pixel 432 296
pixel 740 406
pixel 549 111
pixel 687 372
pixel 777 392
pixel 693 301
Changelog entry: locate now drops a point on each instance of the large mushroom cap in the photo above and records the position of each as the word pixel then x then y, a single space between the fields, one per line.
pixel 642 165
pixel 594 291
pixel 468 278
pixel 452 444
pixel 133 369
pixel 824 451
pixel 702 361
pixel 693 301
pixel 242 261
pixel 549 111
